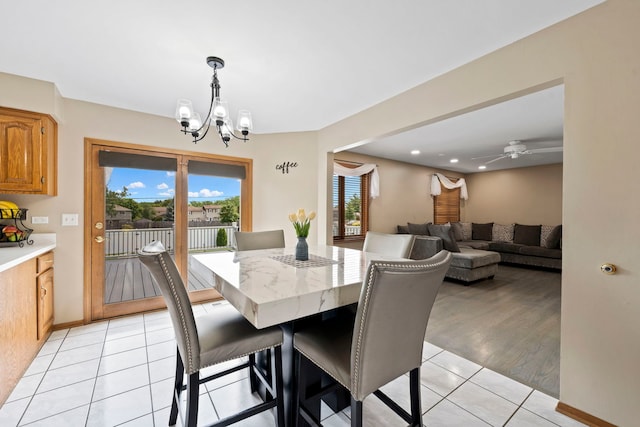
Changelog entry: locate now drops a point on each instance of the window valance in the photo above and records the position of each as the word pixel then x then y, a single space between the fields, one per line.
pixel 438 179
pixel 364 169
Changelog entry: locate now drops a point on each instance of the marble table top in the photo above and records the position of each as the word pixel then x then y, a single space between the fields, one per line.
pixel 268 287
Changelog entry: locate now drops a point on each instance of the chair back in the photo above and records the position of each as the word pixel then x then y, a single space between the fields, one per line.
pixel 391 320
pixel 251 240
pixel 393 245
pixel 163 269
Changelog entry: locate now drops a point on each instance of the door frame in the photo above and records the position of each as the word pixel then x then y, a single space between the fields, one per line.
pixel 94 208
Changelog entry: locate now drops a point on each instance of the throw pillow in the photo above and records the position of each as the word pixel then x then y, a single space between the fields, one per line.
pixel 445 233
pixel 502 233
pixel 458 232
pixel 527 234
pixel 481 231
pixel 545 231
pixel 420 229
pixel 554 238
pixel 403 229
pixel 466 230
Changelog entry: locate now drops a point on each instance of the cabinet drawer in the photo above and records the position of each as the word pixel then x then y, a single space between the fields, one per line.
pixel 44 262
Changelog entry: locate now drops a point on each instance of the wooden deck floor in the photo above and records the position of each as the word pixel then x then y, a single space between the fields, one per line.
pixel 126 279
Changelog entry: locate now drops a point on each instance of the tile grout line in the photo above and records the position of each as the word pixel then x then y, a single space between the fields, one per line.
pixel 144 328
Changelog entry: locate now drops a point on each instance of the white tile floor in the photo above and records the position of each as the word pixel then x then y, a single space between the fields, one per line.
pixel 119 372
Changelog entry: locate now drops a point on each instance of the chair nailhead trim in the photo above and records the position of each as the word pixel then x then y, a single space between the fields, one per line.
pixel 372 272
pixel 189 368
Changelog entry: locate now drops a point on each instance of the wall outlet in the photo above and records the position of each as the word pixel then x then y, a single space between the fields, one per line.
pixel 39 220
pixel 69 219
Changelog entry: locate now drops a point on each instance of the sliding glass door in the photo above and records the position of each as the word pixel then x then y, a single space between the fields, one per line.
pixel 212 211
pixel 135 195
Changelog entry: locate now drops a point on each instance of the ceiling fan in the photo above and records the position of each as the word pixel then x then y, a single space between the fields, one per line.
pixel 516 149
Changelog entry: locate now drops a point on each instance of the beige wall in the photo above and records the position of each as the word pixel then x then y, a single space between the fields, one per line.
pixel 404 192
pixel 595 55
pixel 275 194
pixel 525 196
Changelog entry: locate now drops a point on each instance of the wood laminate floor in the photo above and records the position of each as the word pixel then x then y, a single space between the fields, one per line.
pixel 510 324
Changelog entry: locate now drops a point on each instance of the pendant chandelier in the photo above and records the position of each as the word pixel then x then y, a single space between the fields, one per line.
pixel 218 112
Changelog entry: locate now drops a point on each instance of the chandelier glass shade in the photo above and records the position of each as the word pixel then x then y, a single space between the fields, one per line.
pixel 218 114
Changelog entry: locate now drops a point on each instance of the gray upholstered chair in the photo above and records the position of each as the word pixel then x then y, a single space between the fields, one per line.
pixel 211 339
pixel 394 245
pixel 250 240
pixel 383 343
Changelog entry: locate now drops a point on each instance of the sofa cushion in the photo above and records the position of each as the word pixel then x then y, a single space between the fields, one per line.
pixel 466 230
pixel 527 234
pixel 446 234
pixel 502 233
pixel 545 231
pixel 403 229
pixel 425 247
pixel 513 248
pixel 541 252
pixel 552 240
pixel 458 232
pixel 474 244
pixel 419 229
pixel 481 231
pixel 473 258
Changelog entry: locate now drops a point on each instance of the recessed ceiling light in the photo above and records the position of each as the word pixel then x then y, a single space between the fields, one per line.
pixel 482 167
pixel 415 152
pixel 453 161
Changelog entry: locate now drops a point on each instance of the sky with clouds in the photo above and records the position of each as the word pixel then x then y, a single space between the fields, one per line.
pixel 150 185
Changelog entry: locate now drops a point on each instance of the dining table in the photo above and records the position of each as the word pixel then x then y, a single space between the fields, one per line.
pixel 270 287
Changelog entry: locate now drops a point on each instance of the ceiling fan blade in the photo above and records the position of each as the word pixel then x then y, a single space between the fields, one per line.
pixel 545 150
pixel 484 157
pixel 496 159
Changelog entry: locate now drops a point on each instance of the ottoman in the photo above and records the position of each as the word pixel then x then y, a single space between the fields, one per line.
pixel 470 265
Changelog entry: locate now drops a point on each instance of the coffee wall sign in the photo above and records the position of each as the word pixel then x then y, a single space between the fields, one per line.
pixel 285 166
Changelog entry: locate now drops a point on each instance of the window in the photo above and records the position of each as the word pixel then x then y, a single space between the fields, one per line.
pixel 350 208
pixel 446 206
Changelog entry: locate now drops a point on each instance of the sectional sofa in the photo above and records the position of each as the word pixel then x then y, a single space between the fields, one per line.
pixel 478 247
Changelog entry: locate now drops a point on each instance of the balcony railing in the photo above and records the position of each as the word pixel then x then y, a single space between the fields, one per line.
pixel 349 230
pixel 126 243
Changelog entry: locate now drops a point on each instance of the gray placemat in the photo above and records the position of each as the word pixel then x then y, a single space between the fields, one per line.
pixel 313 261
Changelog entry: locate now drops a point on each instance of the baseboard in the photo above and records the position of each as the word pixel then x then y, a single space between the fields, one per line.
pixel 73 324
pixel 582 416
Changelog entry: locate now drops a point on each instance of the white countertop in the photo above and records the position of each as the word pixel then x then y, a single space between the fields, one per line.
pixel 14 255
pixel 268 291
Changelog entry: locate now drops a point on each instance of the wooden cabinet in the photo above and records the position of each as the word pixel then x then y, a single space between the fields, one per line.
pixel 44 290
pixel 28 153
pixel 26 317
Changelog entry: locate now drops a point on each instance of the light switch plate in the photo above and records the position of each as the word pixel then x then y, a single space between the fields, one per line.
pixel 69 219
pixel 39 220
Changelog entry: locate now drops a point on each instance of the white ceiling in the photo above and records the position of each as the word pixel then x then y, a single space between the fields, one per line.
pixel 297 65
pixel 535 120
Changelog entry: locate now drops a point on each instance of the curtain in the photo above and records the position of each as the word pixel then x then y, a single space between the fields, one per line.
pixel 374 190
pixel 437 179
